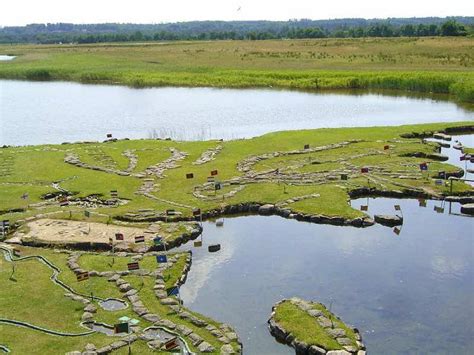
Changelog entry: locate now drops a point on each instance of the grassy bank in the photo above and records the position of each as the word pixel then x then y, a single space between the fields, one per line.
pixel 273 169
pixel 427 65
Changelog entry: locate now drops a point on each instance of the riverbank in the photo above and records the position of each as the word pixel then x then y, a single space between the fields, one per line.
pixel 426 65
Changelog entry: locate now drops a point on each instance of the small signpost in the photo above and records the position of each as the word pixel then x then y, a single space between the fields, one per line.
pixel 121 328
pixel 109 135
pixel 214 172
pixel 198 244
pixel 210 179
pixel 189 176
pixel 114 193
pixel 306 146
pixel 119 236
pixel 364 207
pixel 170 212
pixel 82 276
pixel 422 202
pixel 172 291
pixel 5 226
pixel 140 239
pixel 386 147
pixel 63 201
pixel 172 344
pixel 160 259
pixel 364 170
pixel 396 230
pixel 133 266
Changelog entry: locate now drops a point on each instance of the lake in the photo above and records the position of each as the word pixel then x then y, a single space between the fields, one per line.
pixel 408 293
pixel 56 112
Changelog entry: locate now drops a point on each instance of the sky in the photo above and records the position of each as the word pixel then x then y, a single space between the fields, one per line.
pixel 21 12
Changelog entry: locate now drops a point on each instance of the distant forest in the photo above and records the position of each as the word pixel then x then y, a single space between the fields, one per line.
pixel 235 30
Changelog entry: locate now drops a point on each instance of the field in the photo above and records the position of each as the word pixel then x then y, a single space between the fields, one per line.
pixel 309 172
pixel 427 65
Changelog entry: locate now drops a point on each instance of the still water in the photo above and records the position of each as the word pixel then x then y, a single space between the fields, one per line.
pixel 411 293
pixel 4 57
pixel 55 112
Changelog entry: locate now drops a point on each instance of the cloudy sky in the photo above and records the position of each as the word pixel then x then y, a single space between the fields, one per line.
pixel 21 12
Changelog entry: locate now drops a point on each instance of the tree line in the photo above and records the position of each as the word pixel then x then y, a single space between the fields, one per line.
pixel 237 30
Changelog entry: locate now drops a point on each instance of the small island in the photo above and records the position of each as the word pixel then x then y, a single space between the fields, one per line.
pixel 310 328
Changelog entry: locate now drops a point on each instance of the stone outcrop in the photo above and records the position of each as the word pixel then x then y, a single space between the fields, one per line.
pixel 388 220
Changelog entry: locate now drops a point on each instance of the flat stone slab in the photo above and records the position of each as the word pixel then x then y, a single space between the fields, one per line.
pixel 387 220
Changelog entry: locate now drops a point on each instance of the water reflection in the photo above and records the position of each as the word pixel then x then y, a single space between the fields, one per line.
pixel 402 291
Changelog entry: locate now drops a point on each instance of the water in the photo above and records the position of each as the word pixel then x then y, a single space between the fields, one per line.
pixel 56 112
pixel 408 293
pixel 112 304
pixel 6 57
pixel 454 154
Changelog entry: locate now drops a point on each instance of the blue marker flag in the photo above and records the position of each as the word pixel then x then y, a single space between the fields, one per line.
pixel 161 259
pixel 172 291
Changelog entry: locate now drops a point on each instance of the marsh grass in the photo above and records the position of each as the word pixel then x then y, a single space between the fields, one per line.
pixel 427 65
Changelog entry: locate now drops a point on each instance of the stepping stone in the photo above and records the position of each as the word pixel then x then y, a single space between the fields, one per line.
pixel 184 330
pixel 336 332
pixel 227 349
pixel 195 339
pixel 315 313
pixel 169 301
pixel 344 341
pixel 205 347
pixel 324 322
pixel 231 336
pixel 90 308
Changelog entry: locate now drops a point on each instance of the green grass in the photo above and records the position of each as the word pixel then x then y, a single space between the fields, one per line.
pixel 305 328
pixel 36 178
pixel 34 298
pixel 428 65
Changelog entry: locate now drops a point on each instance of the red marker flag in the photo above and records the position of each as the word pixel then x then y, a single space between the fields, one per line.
pixel 364 170
pixel 119 236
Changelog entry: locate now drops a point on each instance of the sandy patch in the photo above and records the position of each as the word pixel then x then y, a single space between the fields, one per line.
pixel 52 230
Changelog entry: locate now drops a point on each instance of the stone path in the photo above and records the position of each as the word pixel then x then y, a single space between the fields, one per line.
pixel 208 155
